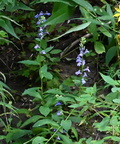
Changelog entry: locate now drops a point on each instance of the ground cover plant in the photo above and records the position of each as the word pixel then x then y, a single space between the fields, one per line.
pixel 55 106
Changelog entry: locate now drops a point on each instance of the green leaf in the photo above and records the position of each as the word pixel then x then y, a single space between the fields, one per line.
pixel 68 2
pixel 74 29
pixel 5 24
pixel 74 131
pixel 15 134
pixel 114 138
pixel 32 119
pixel 34 92
pixel 39 140
pixel 2 137
pixel 114 121
pixel 66 124
pixel 61 12
pixel 29 62
pixel 110 54
pixel 103 125
pixel 84 4
pixel 115 89
pixel 54 91
pixel 66 139
pixel 116 101
pixel 44 122
pixel 48 75
pixel 109 80
pixel 105 32
pixel 23 7
pixel 43 72
pixel 99 47
pixel 56 51
pixel 44 110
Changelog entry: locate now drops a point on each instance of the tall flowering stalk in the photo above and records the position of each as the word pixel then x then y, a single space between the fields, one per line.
pixel 41 19
pixel 81 64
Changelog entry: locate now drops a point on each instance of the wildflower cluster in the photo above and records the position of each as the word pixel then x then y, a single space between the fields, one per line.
pixel 81 63
pixel 41 19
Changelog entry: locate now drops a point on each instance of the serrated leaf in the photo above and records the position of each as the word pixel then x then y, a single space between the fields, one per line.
pixel 99 47
pixel 109 80
pixel 44 110
pixel 66 124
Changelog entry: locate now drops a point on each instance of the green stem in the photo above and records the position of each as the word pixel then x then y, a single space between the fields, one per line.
pixel 60 126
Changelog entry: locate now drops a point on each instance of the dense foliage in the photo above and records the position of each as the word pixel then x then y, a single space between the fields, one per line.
pixel 64 110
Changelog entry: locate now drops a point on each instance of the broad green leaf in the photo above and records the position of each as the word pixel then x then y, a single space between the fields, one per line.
pixel 105 32
pixel 5 24
pixel 74 29
pixel 114 138
pixel 68 2
pixel 84 4
pixel 9 106
pixel 105 17
pixel 74 131
pixel 66 124
pixel 115 89
pixel 56 51
pixel 116 100
pixel 111 96
pixel 44 122
pixel 32 119
pixel 66 139
pixel 48 75
pixel 114 121
pixel 109 80
pixel 15 134
pixel 34 92
pixel 54 91
pixel 7 18
pixel 23 7
pixel 2 137
pixel 44 110
pixel 110 54
pixel 44 73
pixel 39 140
pixel 60 13
pixel 99 47
pixel 103 125
pixel 29 62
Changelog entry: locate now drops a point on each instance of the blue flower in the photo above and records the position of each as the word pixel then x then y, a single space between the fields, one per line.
pixel 83 81
pixel 43 52
pixel 58 103
pixel 58 138
pixel 87 69
pixel 78 72
pixel 37 46
pixel 47 13
pixel 59 113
